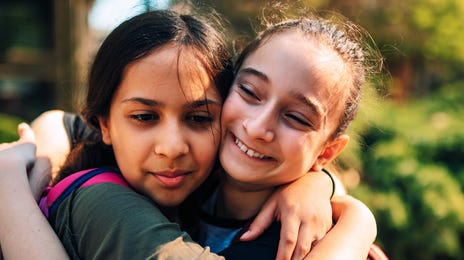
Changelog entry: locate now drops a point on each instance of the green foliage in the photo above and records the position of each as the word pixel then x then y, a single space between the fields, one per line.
pixel 442 22
pixel 8 128
pixel 410 157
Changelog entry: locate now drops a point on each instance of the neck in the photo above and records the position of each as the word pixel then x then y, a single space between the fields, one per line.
pixel 170 213
pixel 239 201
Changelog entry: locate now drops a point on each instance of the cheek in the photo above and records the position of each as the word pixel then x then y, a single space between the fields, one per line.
pixel 205 147
pixel 130 147
pixel 301 152
pixel 127 156
pixel 231 109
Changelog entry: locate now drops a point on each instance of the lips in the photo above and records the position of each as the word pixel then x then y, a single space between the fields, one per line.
pixel 171 179
pixel 248 151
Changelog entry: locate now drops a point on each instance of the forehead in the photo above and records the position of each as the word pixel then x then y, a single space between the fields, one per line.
pixel 312 56
pixel 169 67
pixel 303 62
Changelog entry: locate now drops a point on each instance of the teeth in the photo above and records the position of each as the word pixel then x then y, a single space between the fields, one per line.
pixel 248 151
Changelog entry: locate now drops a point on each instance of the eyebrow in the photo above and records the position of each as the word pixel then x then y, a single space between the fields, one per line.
pixel 143 101
pixel 314 106
pixel 153 103
pixel 254 72
pixel 202 102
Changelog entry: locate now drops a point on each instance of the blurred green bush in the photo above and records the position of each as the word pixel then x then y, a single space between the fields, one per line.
pixel 410 158
pixel 8 127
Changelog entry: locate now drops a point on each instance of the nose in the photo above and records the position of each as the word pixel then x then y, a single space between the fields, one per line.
pixel 171 142
pixel 260 126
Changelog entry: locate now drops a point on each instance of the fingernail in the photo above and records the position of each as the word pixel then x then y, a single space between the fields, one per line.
pixel 245 235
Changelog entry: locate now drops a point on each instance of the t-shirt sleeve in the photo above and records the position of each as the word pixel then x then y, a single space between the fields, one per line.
pixel 179 249
pixel 108 221
pixel 77 130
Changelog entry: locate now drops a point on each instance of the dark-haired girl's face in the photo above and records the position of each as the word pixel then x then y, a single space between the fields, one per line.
pixel 164 125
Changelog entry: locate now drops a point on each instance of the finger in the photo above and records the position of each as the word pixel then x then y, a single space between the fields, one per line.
pixel 288 236
pixel 25 133
pixel 304 242
pixel 262 221
pixel 39 176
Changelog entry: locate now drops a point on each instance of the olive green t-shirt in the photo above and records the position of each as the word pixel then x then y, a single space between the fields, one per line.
pixel 109 221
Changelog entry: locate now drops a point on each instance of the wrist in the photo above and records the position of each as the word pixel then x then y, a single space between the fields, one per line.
pixel 318 183
pixel 13 174
pixel 331 180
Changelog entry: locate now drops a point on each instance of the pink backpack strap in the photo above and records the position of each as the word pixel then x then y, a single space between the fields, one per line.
pixel 53 196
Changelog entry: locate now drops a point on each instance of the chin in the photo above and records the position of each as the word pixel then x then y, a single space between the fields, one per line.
pixel 168 200
pixel 170 203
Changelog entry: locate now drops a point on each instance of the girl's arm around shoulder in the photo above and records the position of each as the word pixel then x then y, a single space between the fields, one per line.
pixel 180 249
pixel 24 230
pixel 304 209
pixel 353 234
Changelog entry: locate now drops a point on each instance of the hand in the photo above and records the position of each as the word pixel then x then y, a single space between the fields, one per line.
pixel 39 176
pixel 21 151
pixel 24 231
pixel 305 212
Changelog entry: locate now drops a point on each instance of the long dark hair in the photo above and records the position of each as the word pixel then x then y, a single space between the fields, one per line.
pixel 133 40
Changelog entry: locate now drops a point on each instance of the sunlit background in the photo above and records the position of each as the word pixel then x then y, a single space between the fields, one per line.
pixel 406 158
pixel 107 14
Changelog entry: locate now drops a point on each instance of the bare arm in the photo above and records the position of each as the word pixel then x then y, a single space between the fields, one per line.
pixel 303 207
pixel 51 138
pixel 353 234
pixel 24 231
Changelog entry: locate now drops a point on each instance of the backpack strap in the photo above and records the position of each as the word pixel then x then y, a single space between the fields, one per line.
pixel 53 196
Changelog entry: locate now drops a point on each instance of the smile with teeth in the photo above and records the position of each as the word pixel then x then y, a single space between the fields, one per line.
pixel 248 151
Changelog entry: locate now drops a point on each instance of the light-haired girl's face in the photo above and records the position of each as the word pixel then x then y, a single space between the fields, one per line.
pixel 164 125
pixel 284 104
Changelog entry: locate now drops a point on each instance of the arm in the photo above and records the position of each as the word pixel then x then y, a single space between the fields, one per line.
pixel 51 138
pixel 353 234
pixel 179 249
pixel 24 231
pixel 350 238
pixel 303 207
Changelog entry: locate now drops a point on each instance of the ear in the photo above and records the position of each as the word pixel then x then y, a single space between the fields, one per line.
pixel 105 132
pixel 330 152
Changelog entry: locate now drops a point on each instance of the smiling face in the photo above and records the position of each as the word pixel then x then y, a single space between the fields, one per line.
pixel 284 105
pixel 164 125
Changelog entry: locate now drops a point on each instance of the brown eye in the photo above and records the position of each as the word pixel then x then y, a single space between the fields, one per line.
pixel 145 117
pixel 200 119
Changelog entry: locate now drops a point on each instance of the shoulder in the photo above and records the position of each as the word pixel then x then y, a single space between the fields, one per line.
pixel 77 129
pixel 113 220
pixel 110 200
